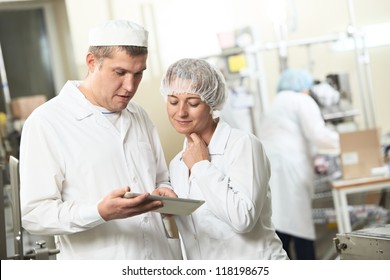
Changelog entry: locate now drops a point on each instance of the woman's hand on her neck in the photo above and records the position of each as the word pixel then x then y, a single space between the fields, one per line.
pixel 196 150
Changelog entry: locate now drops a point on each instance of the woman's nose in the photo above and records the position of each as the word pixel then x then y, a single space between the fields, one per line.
pixel 183 110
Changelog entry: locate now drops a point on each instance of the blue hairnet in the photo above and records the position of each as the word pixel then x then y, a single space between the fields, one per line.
pixel 196 76
pixel 295 80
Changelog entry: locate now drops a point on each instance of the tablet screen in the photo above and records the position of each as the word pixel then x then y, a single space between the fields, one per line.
pixel 173 205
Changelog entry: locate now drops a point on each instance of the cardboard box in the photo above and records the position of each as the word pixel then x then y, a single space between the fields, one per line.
pixel 22 107
pixel 360 152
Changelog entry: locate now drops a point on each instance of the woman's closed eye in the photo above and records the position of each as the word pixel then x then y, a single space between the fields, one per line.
pixel 194 104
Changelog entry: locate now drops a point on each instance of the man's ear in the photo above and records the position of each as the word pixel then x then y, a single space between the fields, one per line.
pixel 91 61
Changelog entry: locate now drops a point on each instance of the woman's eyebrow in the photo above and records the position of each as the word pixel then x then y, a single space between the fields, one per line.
pixel 187 98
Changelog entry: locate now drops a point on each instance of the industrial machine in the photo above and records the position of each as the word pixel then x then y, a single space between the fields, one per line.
pixel 12 232
pixel 366 244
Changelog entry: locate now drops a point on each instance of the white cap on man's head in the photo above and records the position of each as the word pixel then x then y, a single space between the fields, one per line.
pixel 118 33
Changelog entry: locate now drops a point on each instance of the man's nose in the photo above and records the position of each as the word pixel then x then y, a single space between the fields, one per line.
pixel 129 83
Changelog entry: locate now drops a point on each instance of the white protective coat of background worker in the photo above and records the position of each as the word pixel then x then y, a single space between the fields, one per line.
pixel 292 132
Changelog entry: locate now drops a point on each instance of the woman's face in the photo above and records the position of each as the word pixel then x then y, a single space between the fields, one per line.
pixel 189 114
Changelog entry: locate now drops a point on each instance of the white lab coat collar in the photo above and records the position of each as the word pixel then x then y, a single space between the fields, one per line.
pixel 219 139
pixel 71 93
pixel 83 108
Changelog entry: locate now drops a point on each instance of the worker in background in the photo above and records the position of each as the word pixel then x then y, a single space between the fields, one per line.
pixel 226 167
pixel 292 132
pixel 84 149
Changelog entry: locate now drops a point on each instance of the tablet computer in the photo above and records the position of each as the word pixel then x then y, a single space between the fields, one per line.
pixel 172 205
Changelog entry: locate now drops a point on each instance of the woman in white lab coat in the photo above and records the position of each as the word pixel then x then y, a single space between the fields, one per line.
pixel 225 167
pixel 292 131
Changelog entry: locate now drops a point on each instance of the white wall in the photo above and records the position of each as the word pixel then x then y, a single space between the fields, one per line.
pixel 184 28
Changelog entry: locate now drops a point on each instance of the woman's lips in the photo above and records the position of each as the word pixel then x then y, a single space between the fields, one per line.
pixel 183 123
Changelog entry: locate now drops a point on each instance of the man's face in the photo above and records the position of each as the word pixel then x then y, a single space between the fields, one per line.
pixel 115 81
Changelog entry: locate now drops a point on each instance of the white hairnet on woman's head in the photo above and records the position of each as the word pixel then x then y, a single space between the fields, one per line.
pixel 295 80
pixel 195 76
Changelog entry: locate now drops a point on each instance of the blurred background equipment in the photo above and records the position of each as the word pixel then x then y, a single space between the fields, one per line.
pixel 364 244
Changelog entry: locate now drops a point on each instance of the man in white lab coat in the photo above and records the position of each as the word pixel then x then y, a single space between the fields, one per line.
pixel 292 131
pixel 84 149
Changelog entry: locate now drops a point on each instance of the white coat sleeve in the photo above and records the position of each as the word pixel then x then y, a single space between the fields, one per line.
pixel 162 173
pixel 313 125
pixel 42 173
pixel 237 193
